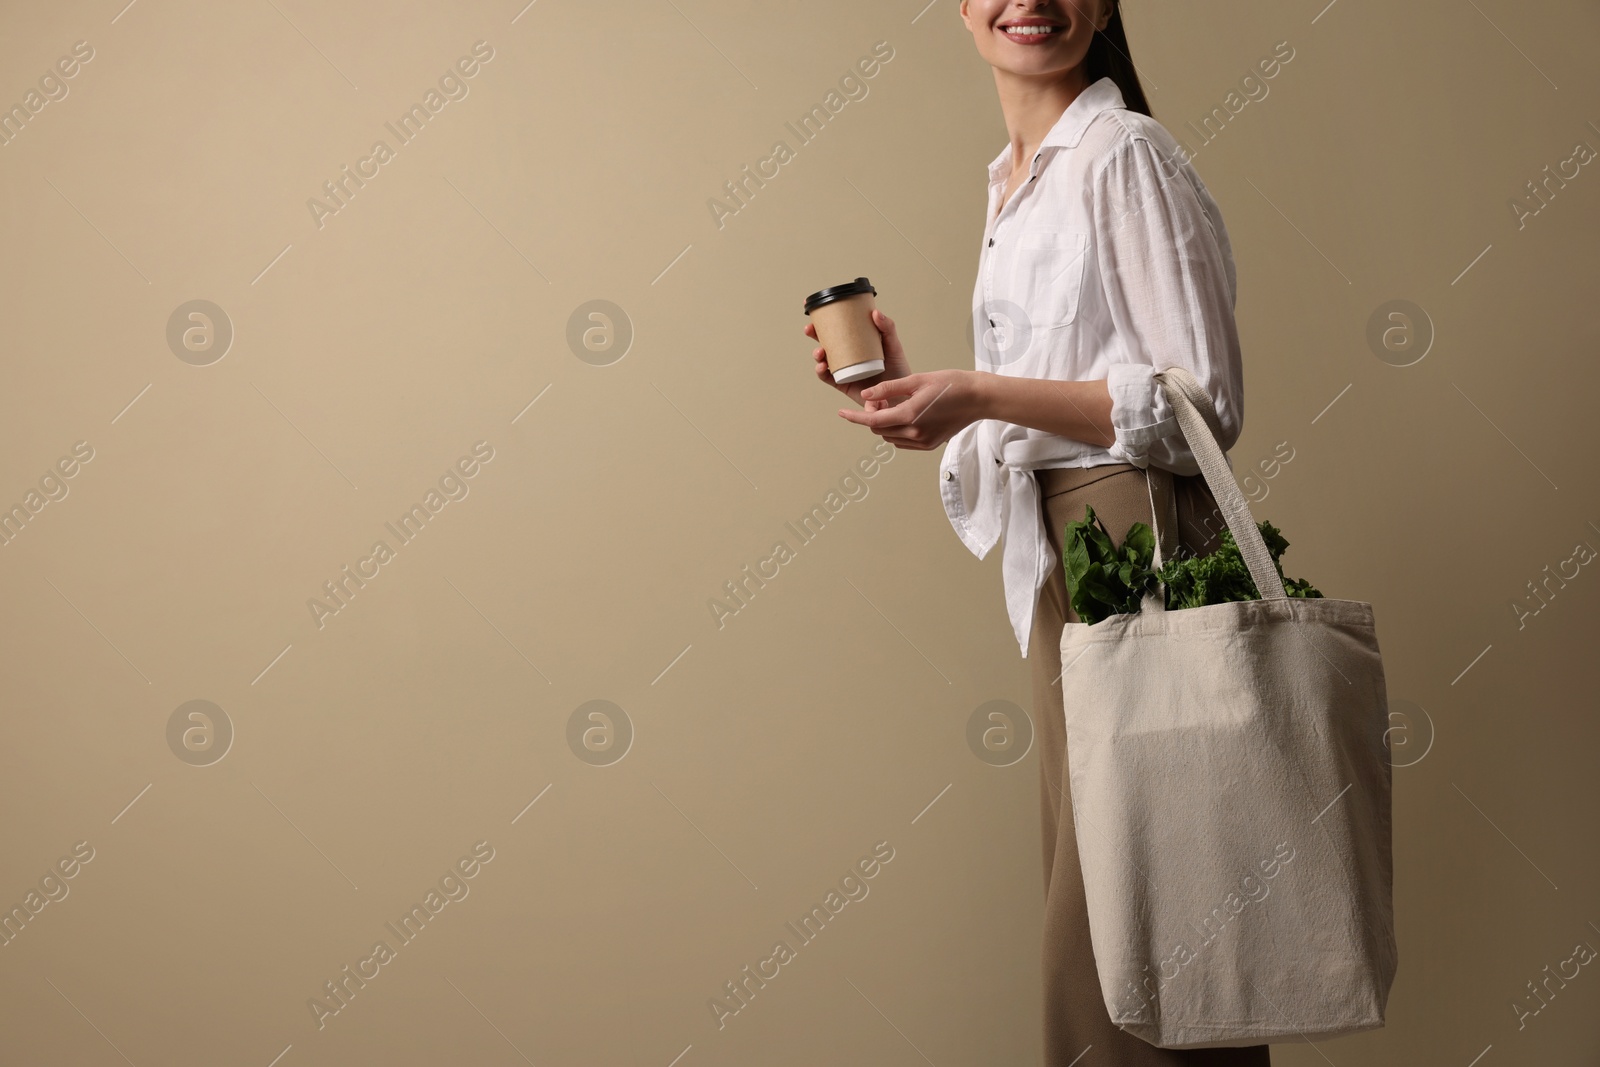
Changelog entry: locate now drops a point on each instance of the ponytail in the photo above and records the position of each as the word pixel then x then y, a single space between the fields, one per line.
pixel 1109 58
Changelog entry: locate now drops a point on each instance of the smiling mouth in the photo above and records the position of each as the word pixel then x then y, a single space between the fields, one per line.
pixel 1030 33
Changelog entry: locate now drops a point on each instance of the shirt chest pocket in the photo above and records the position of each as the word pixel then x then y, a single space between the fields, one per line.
pixel 1047 275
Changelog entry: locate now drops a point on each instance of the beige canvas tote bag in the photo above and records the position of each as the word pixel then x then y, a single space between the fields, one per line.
pixel 1231 795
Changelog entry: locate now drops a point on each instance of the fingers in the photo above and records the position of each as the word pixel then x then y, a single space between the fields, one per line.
pixel 821 366
pixel 884 419
pixel 901 436
pixel 885 325
pixel 909 444
pixel 894 387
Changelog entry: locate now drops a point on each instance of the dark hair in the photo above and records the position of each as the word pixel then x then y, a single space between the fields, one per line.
pixel 1108 58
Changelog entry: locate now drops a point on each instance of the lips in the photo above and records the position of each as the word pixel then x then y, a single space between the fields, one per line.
pixel 1030 32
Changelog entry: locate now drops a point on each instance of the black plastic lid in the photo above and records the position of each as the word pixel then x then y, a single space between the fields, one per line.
pixel 838 292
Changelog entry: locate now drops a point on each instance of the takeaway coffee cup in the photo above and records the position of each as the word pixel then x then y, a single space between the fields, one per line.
pixel 842 315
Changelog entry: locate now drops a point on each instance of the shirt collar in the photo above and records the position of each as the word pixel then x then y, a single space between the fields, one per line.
pixel 1103 95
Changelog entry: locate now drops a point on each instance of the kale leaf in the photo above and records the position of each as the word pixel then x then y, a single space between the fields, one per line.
pixel 1104 580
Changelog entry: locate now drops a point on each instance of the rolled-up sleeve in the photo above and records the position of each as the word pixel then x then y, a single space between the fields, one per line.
pixel 1169 282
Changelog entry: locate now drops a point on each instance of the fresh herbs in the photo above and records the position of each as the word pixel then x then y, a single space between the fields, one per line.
pixel 1104 579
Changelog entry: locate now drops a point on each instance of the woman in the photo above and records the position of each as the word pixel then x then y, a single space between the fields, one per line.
pixel 1103 259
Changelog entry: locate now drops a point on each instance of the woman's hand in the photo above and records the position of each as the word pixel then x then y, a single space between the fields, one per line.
pixel 922 411
pixel 895 364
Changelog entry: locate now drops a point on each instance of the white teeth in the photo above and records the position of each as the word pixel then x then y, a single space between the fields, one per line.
pixel 1030 31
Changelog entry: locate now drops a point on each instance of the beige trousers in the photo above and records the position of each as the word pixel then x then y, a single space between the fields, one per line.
pixel 1077 1028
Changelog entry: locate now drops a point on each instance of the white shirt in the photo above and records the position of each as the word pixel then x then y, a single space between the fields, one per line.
pixel 1110 261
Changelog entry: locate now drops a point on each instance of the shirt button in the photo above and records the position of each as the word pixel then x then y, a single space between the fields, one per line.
pixel 949 476
pixel 991 242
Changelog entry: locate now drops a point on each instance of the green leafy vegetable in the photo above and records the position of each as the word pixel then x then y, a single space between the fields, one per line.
pixel 1223 576
pixel 1105 580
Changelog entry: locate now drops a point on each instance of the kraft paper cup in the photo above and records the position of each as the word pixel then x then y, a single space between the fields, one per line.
pixel 842 315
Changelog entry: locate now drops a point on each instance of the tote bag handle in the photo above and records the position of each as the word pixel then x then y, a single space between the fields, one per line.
pixel 1197 418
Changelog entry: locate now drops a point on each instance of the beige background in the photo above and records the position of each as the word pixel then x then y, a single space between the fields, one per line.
pixel 828 715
